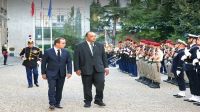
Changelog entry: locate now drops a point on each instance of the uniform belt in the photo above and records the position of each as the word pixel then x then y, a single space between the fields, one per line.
pixel 189 64
pixel 155 62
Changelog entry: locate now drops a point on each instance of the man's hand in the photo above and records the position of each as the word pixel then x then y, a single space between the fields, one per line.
pixel 68 76
pixel 78 72
pixel 44 76
pixel 106 71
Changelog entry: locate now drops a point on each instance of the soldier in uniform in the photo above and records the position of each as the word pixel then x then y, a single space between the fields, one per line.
pixel 177 68
pixel 140 56
pixel 169 57
pixel 132 60
pixel 156 64
pixel 190 70
pixel 31 55
pixel 196 63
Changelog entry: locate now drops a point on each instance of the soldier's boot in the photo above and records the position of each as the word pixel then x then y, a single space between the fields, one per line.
pixel 143 79
pixel 147 82
pixel 174 81
pixel 168 79
pixel 155 85
pixel 139 79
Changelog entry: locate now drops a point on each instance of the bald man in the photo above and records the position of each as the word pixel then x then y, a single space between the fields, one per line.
pixel 90 62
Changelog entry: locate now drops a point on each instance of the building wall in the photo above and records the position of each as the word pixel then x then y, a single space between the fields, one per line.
pixel 3 22
pixel 21 23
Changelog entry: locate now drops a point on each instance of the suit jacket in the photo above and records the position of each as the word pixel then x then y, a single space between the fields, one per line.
pixel 51 66
pixel 86 62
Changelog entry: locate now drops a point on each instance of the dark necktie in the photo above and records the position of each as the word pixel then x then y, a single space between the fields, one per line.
pixel 58 55
pixel 92 48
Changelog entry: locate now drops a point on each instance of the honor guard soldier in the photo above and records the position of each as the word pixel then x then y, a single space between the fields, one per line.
pixel 177 67
pixel 190 70
pixel 31 55
pixel 196 63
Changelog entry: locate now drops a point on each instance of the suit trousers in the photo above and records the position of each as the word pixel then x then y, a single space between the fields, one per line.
pixel 55 89
pixel 98 79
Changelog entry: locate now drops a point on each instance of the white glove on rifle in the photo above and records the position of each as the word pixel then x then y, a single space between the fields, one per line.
pixel 183 57
pixel 198 54
pixel 195 61
pixel 178 72
pixel 187 53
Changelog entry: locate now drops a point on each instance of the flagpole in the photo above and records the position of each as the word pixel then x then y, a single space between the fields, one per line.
pixel 51 33
pixel 42 27
pixel 33 34
pixel 50 22
pixel 33 20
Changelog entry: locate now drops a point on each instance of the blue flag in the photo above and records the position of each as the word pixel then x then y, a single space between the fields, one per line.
pixel 50 9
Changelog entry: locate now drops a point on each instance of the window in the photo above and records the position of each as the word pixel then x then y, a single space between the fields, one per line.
pixel 60 18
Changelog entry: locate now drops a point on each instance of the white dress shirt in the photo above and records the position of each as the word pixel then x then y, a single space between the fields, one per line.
pixel 89 43
pixel 56 51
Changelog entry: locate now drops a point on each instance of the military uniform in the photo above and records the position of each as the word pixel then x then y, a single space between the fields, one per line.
pixel 31 55
pixel 196 63
pixel 190 68
pixel 177 69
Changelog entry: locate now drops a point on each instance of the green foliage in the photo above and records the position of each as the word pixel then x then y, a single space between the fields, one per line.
pixel 153 19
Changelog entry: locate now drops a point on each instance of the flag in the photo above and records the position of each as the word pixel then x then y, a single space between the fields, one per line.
pixel 50 9
pixel 32 8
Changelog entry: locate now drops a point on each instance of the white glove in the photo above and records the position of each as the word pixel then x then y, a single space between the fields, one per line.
pixel 183 57
pixel 38 62
pixel 168 63
pixel 178 72
pixel 187 53
pixel 198 54
pixel 23 58
pixel 195 61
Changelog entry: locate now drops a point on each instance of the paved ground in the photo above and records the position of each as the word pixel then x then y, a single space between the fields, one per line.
pixel 11 61
pixel 122 94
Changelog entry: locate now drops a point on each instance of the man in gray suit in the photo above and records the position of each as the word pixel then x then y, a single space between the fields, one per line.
pixel 90 62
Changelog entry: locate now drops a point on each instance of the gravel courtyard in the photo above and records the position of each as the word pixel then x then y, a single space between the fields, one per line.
pixel 122 94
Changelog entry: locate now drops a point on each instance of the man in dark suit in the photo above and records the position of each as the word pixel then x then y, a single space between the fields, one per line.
pixel 91 63
pixel 56 65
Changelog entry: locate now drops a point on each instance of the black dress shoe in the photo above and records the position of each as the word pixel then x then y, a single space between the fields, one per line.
pixel 197 103
pixel 188 100
pixel 178 96
pixel 99 103
pixel 36 85
pixel 30 86
pixel 87 105
pixel 51 107
pixel 58 106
